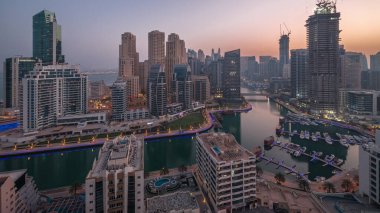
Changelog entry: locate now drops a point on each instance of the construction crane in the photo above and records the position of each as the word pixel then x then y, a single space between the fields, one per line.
pixel 283 32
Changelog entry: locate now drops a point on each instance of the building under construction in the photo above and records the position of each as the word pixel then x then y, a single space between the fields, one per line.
pixel 323 56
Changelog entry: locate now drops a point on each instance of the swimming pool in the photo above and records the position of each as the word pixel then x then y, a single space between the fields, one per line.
pixel 159 183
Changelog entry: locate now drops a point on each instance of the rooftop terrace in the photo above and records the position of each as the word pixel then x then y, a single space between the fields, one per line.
pixel 126 151
pixel 224 147
pixel 175 201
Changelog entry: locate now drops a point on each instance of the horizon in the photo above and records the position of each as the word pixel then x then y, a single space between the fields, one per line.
pixel 203 29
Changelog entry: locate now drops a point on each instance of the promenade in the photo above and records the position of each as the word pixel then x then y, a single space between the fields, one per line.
pixel 208 114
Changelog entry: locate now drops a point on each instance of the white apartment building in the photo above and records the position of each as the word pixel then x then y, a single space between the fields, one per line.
pixel 53 91
pixel 115 184
pixel 369 171
pixel 18 193
pixel 226 172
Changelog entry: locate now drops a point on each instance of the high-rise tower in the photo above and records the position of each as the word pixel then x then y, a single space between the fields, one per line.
pixel 128 57
pixel 323 56
pixel 284 52
pixel 156 47
pixel 47 39
pixel 175 54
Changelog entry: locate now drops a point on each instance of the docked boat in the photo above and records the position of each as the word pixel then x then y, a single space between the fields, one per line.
pixel 350 139
pixel 327 138
pixel 302 134
pixel 297 153
pixel 339 162
pixel 319 154
pixel 303 149
pixel 344 142
pixel 338 135
pixel 358 139
pixel 307 135
pixel 318 135
pixel 313 137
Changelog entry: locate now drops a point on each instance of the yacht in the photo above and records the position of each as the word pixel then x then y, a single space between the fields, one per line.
pixel 343 142
pixel 302 135
pixel 318 135
pixel 350 139
pixel 327 138
pixel 313 137
pixel 307 135
pixel 338 135
pixel 339 162
pixel 358 139
pixel 303 149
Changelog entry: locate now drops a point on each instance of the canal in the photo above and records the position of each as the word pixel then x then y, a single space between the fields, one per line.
pixel 57 169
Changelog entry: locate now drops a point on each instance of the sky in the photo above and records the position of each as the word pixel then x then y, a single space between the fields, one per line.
pixel 91 30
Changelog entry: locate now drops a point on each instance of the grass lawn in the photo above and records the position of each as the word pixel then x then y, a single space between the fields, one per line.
pixel 194 119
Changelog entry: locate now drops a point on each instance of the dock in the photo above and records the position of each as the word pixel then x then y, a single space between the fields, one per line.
pixel 313 157
pixel 290 169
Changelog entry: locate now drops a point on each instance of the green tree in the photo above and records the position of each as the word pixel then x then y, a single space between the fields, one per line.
pixel 304 185
pixel 280 178
pixel 259 171
pixel 347 185
pixel 329 187
pixel 74 188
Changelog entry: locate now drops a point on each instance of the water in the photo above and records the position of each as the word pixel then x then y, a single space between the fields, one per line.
pixel 250 129
pixel 108 78
pixel 54 169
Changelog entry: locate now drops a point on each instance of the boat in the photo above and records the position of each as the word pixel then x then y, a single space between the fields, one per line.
pixel 350 139
pixel 318 135
pixel 297 153
pixel 358 139
pixel 307 135
pixel 313 137
pixel 319 154
pixel 364 139
pixel 328 140
pixel 338 135
pixel 319 179
pixel 303 149
pixel 302 135
pixel 339 162
pixel 343 142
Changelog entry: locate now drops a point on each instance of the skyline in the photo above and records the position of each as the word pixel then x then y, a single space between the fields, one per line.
pixel 204 29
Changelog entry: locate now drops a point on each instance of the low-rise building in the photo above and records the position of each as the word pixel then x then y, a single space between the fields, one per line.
pixel 226 172
pixel 90 118
pixel 18 193
pixel 359 102
pixel 369 171
pixel 137 114
pixel 116 181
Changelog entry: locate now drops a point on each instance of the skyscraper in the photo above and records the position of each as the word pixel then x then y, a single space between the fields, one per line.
pixel 375 62
pixel 351 68
pixel 201 56
pixel 175 54
pixel 231 75
pixel 201 88
pixel 156 47
pixel 128 57
pixel 15 69
pixel 214 71
pixel 47 39
pixel 50 92
pixel 182 85
pixel 119 99
pixel 298 74
pixel 157 90
pixel 323 57
pixel 284 53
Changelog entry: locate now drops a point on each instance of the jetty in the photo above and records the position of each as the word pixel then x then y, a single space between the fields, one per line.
pixel 313 157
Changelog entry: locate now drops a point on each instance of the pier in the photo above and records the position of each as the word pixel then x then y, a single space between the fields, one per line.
pixel 290 169
pixel 313 157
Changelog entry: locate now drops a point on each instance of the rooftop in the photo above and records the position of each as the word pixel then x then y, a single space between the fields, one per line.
pixel 15 174
pixel 224 147
pixel 122 152
pixel 175 201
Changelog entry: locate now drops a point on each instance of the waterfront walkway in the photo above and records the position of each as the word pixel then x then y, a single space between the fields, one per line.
pixel 208 114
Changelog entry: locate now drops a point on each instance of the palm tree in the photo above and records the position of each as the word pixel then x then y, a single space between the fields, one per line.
pixel 347 185
pixel 280 178
pixel 304 185
pixel 259 171
pixel 73 189
pixel 164 171
pixel 328 187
